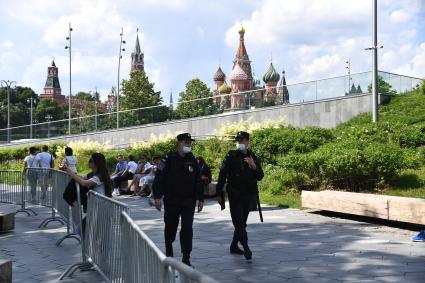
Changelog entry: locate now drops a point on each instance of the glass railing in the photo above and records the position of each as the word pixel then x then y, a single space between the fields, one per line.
pixel 354 84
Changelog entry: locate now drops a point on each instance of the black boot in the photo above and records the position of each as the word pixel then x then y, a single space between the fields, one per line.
pixel 234 248
pixel 169 250
pixel 186 259
pixel 247 252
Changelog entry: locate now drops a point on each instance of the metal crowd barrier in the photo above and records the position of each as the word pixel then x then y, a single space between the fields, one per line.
pixel 145 263
pixel 12 190
pixel 102 234
pixel 120 252
pixel 45 187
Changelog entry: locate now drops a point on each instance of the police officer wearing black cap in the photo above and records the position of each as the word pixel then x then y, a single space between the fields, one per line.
pixel 242 170
pixel 178 180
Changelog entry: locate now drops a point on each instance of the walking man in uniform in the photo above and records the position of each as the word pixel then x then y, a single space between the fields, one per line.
pixel 242 170
pixel 178 180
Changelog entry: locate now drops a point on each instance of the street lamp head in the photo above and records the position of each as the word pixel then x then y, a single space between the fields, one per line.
pixel 120 56
pixel 70 29
pixel 123 42
pixel 67 38
pixel 66 47
pixel 123 49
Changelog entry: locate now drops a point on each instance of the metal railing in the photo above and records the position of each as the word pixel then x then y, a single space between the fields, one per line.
pixel 357 83
pixel 120 252
pixel 12 190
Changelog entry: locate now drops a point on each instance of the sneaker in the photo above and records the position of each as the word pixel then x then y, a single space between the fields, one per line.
pixel 420 237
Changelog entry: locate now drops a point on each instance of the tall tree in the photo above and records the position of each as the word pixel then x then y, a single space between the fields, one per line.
pixel 138 92
pixel 196 89
pixel 88 96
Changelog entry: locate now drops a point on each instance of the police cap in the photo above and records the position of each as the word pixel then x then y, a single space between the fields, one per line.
pixel 185 137
pixel 242 135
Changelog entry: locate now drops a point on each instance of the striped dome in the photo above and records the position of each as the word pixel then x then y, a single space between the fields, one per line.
pixel 238 74
pixel 219 76
pixel 271 75
pixel 224 88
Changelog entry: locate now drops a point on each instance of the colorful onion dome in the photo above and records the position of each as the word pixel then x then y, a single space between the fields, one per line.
pixel 238 74
pixel 224 88
pixel 219 76
pixel 271 75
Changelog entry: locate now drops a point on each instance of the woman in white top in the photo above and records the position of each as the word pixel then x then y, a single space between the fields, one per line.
pixel 100 182
pixel 70 160
pixel 32 161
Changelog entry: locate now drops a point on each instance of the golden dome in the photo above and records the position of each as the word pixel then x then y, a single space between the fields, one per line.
pixel 224 88
pixel 241 30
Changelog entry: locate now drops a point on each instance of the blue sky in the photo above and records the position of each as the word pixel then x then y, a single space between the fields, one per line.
pixel 183 39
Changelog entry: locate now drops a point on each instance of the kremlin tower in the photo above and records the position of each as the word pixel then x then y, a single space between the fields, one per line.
pixel 137 57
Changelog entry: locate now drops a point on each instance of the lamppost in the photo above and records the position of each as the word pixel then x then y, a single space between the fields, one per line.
pixel 96 98
pixel 348 67
pixel 7 84
pixel 374 49
pixel 70 88
pixel 48 119
pixel 118 83
pixel 31 103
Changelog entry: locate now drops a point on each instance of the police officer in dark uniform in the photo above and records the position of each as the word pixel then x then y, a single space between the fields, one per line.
pixel 242 169
pixel 178 180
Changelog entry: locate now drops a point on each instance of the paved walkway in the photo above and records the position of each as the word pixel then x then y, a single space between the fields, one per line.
pixel 290 246
pixel 295 246
pixel 35 256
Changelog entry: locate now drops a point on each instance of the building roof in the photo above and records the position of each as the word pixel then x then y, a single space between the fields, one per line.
pixel 238 74
pixel 219 76
pixel 52 82
pixel 137 49
pixel 241 54
pixel 271 75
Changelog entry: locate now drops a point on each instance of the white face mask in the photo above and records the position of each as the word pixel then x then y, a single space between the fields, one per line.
pixel 187 149
pixel 240 146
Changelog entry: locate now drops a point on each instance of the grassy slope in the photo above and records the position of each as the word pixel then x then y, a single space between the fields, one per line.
pixel 411 183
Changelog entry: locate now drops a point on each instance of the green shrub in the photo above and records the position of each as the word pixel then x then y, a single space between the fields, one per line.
pixel 278 180
pixel 270 143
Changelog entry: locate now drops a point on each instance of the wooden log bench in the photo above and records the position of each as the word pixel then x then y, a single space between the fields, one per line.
pixel 7 222
pixel 411 210
pixel 5 271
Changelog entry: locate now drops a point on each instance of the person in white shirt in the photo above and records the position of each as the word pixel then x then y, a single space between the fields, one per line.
pixel 32 161
pixel 70 160
pixel 46 162
pixel 143 165
pixel 128 174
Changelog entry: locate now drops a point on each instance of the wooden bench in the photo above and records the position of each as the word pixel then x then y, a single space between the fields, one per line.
pixel 411 210
pixel 5 271
pixel 7 222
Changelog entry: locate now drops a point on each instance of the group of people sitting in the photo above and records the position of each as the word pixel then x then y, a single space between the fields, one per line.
pixel 136 179
pixel 141 175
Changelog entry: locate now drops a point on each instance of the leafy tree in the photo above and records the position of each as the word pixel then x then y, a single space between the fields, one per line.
pixel 195 89
pixel 88 96
pixel 138 92
pixel 48 106
pixel 383 87
pixel 19 106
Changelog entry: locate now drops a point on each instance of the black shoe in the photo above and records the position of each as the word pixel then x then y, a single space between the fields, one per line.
pixel 234 249
pixel 169 251
pixel 247 253
pixel 186 259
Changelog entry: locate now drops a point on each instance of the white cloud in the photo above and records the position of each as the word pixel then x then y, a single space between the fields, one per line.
pixel 315 38
pixel 7 44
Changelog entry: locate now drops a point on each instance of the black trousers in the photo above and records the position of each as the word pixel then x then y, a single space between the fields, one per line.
pixel 173 211
pixel 124 177
pixel 240 205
